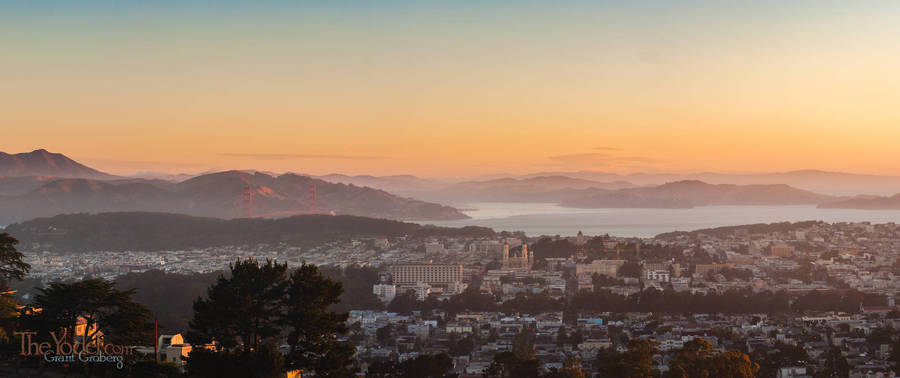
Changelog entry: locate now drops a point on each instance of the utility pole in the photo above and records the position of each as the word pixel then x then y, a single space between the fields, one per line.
pixel 155 339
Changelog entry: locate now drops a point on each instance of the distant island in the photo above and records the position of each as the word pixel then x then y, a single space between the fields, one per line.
pixel 866 203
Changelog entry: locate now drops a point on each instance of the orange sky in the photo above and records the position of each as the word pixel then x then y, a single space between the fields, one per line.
pixel 458 90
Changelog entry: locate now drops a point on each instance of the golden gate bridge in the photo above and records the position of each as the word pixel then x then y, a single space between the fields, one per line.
pixel 306 204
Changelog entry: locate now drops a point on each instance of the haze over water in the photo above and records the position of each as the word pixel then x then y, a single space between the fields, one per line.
pixel 537 219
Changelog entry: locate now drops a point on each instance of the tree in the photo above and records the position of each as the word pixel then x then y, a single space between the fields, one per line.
pixel 263 362
pixel 523 344
pixel 519 363
pixel 12 268
pixel 462 347
pixel 629 269
pixel 246 307
pixel 260 301
pixel 383 368
pixel 836 365
pixel 509 364
pixel 770 360
pixel 385 335
pixel 313 330
pixel 11 265
pixel 733 364
pixel 106 311
pixel 561 336
pixel 403 303
pixel 636 362
pixel 169 295
pixel 698 359
pixel 427 366
pixel 570 369
pixel 575 338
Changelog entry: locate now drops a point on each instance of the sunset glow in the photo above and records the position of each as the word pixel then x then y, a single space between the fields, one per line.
pixel 457 88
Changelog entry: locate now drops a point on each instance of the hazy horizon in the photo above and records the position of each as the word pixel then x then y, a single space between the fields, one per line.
pixel 461 89
pixel 484 176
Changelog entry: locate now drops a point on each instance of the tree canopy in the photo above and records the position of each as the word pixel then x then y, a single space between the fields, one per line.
pixel 106 311
pixel 244 308
pixel 259 303
pixel 699 359
pixel 11 265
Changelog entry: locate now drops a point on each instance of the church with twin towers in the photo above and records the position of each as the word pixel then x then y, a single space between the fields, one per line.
pixel 523 260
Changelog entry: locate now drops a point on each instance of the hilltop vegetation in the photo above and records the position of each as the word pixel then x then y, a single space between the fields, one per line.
pixel 142 231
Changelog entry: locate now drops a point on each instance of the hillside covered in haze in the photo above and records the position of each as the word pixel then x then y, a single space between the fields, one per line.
pixel 218 195
pixel 866 203
pixel 531 189
pixel 44 163
pixel 687 194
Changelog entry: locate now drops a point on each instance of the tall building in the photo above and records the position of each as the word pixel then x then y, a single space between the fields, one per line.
pixel 432 274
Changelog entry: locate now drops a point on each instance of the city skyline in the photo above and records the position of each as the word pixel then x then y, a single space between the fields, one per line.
pixel 451 90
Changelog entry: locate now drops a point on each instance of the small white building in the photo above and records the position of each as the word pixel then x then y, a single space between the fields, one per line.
pixel 385 292
pixel 172 348
pixel 657 275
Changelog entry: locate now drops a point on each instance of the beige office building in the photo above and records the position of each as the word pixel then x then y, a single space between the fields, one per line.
pixel 608 268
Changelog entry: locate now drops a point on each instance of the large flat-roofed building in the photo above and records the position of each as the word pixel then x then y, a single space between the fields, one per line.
pixel 714 267
pixel 603 267
pixel 433 274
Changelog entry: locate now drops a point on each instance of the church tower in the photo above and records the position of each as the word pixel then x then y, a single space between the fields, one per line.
pixel 580 247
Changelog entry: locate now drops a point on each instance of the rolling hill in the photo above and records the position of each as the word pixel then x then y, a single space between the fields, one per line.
pixel 216 195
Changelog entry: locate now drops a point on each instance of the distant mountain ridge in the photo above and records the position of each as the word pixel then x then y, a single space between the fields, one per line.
pixel 692 193
pixel 831 183
pixel 408 185
pixel 216 195
pixel 44 163
pixel 532 189
pixel 865 203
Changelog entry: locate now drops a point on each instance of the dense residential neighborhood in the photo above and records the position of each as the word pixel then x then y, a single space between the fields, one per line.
pixel 797 298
